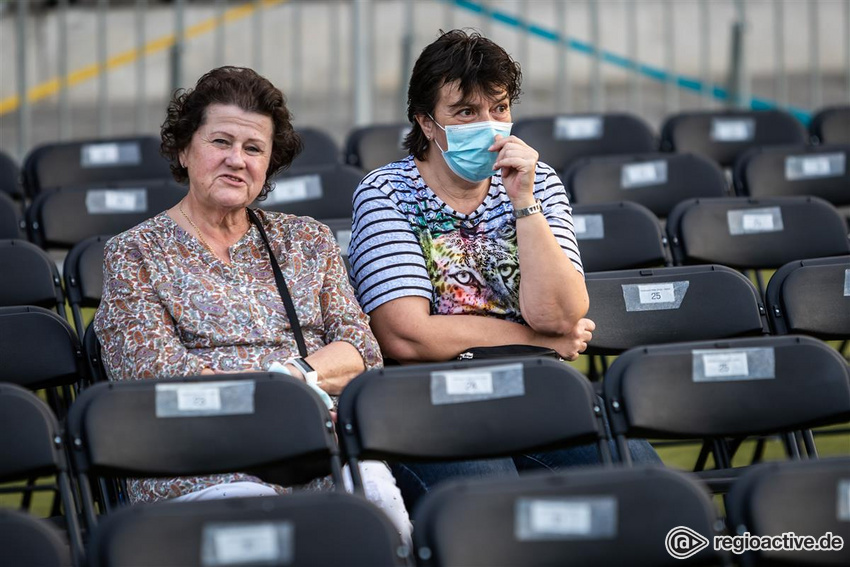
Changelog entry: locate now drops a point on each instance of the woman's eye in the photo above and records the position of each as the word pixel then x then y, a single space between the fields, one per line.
pixel 220 142
pixel 502 108
pixel 253 150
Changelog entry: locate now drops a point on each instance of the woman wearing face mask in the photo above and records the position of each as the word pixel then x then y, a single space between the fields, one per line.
pixel 441 238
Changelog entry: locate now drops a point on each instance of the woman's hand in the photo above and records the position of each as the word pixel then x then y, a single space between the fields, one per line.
pixel 575 342
pixel 518 162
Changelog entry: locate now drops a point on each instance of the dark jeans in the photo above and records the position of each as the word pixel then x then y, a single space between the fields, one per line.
pixel 416 479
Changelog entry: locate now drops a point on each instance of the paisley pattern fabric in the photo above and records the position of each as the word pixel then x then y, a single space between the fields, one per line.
pixel 171 308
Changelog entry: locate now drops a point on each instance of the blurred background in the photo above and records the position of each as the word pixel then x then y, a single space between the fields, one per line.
pixel 83 69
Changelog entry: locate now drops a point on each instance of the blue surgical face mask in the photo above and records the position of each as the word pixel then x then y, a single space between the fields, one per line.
pixel 467 153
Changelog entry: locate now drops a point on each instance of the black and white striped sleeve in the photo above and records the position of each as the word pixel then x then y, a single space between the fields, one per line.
pixel 559 215
pixel 386 259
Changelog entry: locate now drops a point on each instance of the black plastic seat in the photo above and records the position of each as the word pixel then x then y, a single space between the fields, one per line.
pixel 10 218
pixel 270 425
pixel 83 274
pixel 619 236
pixel 30 277
pixel 590 517
pixel 657 181
pixel 318 149
pixel 25 540
pixel 819 171
pixel 811 297
pixel 806 498
pixel 831 125
pixel 561 140
pixel 108 162
pixel 297 530
pixel 63 217
pixel 370 147
pixel 671 304
pixel 722 136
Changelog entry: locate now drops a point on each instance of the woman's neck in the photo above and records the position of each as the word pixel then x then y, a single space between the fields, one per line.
pixel 461 195
pixel 215 228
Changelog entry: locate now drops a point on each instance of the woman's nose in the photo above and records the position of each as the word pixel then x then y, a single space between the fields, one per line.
pixel 235 157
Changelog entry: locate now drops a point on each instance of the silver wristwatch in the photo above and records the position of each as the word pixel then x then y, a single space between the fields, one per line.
pixel 537 207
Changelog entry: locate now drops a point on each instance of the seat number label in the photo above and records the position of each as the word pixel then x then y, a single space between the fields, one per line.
pixel 656 293
pixel 191 398
pixel 725 364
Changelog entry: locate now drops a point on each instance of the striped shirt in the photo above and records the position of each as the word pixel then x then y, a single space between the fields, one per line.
pixel 406 241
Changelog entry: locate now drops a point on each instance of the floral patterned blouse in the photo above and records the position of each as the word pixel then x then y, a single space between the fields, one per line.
pixel 171 308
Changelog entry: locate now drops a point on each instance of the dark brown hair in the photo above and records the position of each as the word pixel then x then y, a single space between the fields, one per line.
pixel 238 86
pixel 479 66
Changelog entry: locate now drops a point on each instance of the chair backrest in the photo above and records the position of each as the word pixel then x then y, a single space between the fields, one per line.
pixel 656 181
pixel 831 125
pixel 671 304
pixel 457 411
pixel 30 277
pixel 811 297
pixel 585 517
pixel 113 162
pixel 806 498
pixel 94 357
pixel 39 349
pixel 370 147
pixel 10 177
pixel 319 148
pixel 561 140
pixel 83 274
pixel 25 540
pixel 10 218
pixel 301 529
pixel 744 386
pixel 820 171
pixel 746 233
pixel 724 135
pixel 63 217
pixel 32 445
pixel 321 192
pixel 270 425
pixel 619 236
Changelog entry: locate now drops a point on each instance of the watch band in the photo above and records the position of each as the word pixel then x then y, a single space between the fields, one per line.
pixel 310 374
pixel 537 207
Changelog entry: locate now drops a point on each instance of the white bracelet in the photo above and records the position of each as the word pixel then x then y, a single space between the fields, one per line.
pixel 308 373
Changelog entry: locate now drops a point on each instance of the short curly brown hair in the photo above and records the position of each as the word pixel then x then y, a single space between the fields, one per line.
pixel 238 86
pixel 475 62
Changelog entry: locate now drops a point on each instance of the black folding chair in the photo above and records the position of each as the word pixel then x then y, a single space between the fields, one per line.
pixel 671 304
pixel 30 277
pixel 83 274
pixel 819 171
pixel 589 517
pixel 39 350
pixel 10 178
pixel 319 148
pixel 63 217
pixel 716 390
pixel 462 411
pixel 809 498
pixel 755 234
pixel 269 425
pixel 657 181
pixel 561 140
pixel 301 529
pixel 619 236
pixel 724 135
pixel 321 192
pixel 370 147
pixel 811 297
pixel 111 162
pixel 831 125
pixel 32 446
pixel 29 541
pixel 10 218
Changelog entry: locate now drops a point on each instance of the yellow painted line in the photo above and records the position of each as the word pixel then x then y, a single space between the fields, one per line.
pixel 54 85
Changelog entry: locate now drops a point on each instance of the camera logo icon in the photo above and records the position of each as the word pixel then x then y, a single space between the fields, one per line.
pixel 683 542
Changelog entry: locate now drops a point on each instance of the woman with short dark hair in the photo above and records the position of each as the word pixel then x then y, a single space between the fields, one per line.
pixel 469 241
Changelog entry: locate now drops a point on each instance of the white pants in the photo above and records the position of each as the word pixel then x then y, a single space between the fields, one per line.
pixel 378 483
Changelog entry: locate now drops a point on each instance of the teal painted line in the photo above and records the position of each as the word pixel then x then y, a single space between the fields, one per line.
pixel 654 73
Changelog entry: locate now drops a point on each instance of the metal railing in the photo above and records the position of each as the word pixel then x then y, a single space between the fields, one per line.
pixel 345 62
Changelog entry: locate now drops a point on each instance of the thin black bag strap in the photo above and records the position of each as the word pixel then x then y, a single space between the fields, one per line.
pixel 281 288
